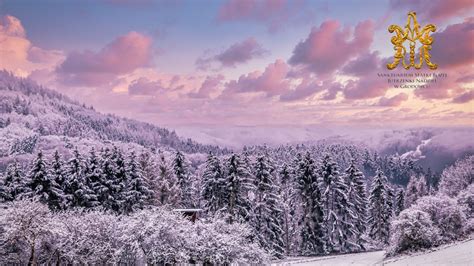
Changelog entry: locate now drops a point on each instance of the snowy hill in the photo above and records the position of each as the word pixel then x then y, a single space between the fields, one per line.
pixel 461 253
pixel 34 117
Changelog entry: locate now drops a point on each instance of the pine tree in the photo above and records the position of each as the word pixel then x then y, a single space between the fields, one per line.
pixel 412 193
pixel 137 191
pixel 109 186
pixel 213 184
pixel 75 185
pixel 57 175
pixel 267 218
pixel 312 232
pixel 399 201
pixel 14 184
pixel 238 184
pixel 93 177
pixel 289 201
pixel 184 183
pixel 379 209
pixel 357 196
pixel 167 188
pixel 42 185
pixel 149 173
pixel 120 181
pixel 337 208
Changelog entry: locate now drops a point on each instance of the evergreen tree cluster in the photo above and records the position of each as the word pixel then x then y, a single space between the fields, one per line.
pixel 308 205
pixel 105 179
pixel 305 207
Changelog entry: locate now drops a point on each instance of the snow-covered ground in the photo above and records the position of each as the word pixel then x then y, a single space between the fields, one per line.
pixel 456 254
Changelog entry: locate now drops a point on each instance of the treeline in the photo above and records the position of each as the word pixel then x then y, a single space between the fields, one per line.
pixel 47 112
pixel 307 205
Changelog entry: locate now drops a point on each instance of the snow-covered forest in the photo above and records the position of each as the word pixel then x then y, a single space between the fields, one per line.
pixel 78 186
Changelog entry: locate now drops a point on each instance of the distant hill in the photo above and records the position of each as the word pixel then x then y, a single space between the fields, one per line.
pixel 33 117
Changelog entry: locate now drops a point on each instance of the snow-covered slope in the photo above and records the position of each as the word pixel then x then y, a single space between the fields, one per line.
pixel 33 117
pixel 461 253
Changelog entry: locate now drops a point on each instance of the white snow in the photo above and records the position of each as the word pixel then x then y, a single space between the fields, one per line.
pixel 461 253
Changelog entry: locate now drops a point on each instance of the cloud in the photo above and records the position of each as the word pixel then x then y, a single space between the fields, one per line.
pixel 362 65
pixel 209 87
pixel 454 53
pixel 393 101
pixel 465 97
pixel 306 88
pixel 272 81
pixel 367 84
pixel 435 9
pixel 274 14
pixel 18 54
pixel 453 46
pixel 143 86
pixel 121 56
pixel 329 47
pixel 237 53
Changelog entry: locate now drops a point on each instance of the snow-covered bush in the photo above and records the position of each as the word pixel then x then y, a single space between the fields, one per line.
pixel 27 233
pixel 445 213
pixel 31 234
pixel 164 237
pixel 457 177
pixel 161 236
pixel 466 200
pixel 87 237
pixel 412 230
pixel 218 242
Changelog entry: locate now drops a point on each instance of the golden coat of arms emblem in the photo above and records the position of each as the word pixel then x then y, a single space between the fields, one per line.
pixel 412 34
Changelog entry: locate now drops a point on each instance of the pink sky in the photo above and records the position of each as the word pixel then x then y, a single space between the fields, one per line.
pixel 271 62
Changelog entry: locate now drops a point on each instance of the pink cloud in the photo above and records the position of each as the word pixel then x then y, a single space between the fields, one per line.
pixel 208 87
pixel 123 55
pixel 18 54
pixel 272 13
pixel 144 86
pixel 362 65
pixel 454 46
pixel 435 9
pixel 12 26
pixel 465 97
pixel 393 101
pixel 329 47
pixel 272 81
pixel 237 53
pixel 365 88
pixel 455 59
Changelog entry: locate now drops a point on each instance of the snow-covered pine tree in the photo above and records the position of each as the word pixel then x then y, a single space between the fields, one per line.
pixel 13 185
pixel 120 180
pixel 337 208
pixel 379 208
pixel 75 185
pixel 93 177
pixel 267 218
pixel 357 196
pixel 181 174
pixel 412 191
pixel 137 191
pixel 149 173
pixel 213 184
pixel 238 185
pixel 399 201
pixel 108 187
pixel 312 231
pixel 41 183
pixel 167 187
pixel 289 205
pixel 56 172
